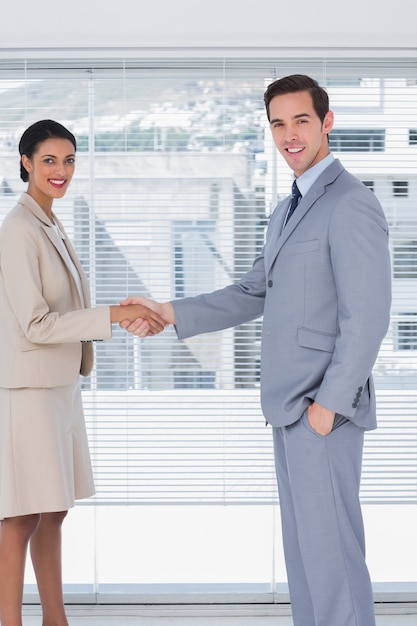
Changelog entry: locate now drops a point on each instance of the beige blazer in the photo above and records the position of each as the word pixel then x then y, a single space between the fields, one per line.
pixel 45 333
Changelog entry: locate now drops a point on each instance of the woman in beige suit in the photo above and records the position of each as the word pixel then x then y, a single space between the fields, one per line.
pixel 46 329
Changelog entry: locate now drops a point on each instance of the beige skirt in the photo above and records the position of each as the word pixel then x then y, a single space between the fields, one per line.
pixel 44 457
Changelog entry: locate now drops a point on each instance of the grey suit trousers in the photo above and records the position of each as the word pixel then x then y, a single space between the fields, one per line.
pixel 318 481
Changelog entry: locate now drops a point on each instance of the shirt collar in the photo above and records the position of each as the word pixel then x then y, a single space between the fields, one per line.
pixel 309 177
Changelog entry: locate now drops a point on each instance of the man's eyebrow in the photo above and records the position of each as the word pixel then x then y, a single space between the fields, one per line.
pixel 295 117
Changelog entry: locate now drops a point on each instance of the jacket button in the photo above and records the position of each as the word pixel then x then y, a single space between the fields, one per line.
pixel 270 283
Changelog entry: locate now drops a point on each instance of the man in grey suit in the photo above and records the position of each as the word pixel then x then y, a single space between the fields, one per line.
pixel 323 286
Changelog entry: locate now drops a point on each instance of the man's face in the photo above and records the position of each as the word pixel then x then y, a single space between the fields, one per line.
pixel 298 133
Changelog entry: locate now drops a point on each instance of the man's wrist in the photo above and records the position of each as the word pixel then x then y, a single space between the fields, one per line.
pixel 168 313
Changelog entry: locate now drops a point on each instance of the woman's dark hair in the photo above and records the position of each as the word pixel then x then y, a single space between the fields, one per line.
pixel 299 82
pixel 37 134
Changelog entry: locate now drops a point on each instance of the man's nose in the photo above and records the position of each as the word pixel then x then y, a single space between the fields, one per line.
pixel 291 133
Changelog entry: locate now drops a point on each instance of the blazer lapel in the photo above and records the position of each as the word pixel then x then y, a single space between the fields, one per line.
pixel 29 203
pixel 52 235
pixel 76 261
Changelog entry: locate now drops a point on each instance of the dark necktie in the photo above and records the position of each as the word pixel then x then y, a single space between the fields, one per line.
pixel 295 197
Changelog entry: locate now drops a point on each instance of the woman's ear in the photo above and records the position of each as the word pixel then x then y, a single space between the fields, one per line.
pixel 27 163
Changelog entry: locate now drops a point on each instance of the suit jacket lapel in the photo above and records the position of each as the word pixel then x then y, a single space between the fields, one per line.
pixel 305 204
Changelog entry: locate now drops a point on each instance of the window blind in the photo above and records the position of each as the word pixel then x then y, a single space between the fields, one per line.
pixel 176 178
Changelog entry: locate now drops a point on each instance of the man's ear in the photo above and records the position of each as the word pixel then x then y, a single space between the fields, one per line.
pixel 328 122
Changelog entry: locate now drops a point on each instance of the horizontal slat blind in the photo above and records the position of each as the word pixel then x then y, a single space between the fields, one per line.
pixel 176 178
pixel 186 448
pixel 202 447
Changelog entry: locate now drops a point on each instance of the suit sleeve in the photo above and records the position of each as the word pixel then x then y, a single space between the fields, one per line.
pixel 224 308
pixel 358 237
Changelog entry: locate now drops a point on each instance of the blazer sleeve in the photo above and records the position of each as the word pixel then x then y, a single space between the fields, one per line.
pixel 358 239
pixel 30 271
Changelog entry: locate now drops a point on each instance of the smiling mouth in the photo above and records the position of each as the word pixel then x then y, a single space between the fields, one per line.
pixel 294 150
pixel 57 182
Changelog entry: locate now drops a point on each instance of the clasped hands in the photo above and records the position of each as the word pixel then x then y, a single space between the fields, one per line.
pixel 156 316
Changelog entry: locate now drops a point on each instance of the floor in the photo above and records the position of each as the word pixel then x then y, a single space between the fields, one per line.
pixel 395 614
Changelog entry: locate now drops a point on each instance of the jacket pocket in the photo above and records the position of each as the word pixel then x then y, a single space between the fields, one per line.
pixel 300 247
pixel 316 339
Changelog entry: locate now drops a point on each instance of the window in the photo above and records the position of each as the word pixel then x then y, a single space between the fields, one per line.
pixel 196 256
pixel 370 184
pixel 400 188
pixel 175 182
pixel 357 140
pixel 405 259
pixel 169 199
pixel 412 137
pixel 406 332
pixel 344 82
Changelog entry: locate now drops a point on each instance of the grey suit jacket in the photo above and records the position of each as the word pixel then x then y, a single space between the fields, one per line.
pixel 323 286
pixel 45 332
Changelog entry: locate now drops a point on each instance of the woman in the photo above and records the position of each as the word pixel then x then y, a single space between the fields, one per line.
pixel 46 329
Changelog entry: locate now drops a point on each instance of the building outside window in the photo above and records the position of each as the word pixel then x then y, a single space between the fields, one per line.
pixel 406 332
pixel 400 188
pixel 412 137
pixel 404 259
pixel 357 140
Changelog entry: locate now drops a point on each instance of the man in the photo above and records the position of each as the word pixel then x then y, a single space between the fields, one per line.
pixel 323 286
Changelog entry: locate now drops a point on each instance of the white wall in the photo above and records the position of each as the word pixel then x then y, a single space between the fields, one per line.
pixel 236 23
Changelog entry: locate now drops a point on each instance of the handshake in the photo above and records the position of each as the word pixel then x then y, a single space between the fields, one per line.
pixel 143 317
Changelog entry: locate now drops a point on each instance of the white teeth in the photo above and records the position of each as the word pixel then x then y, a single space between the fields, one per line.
pixel 57 182
pixel 294 150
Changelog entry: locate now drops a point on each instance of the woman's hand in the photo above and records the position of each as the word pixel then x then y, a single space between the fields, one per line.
pixel 147 322
pixel 164 310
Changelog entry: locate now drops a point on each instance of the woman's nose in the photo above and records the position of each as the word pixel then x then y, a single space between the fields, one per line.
pixel 60 168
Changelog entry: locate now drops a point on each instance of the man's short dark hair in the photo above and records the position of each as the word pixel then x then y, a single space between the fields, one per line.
pixel 299 82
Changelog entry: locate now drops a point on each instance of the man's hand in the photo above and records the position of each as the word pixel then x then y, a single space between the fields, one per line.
pixel 321 419
pixel 138 327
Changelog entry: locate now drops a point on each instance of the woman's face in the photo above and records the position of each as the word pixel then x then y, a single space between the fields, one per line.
pixel 50 170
